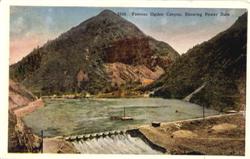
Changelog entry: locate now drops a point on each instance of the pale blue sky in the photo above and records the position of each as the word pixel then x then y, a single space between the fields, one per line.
pixel 32 26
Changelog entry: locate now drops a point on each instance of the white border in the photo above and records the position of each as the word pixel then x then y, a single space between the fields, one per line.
pixel 4 63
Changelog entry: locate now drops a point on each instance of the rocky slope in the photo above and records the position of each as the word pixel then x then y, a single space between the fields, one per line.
pixel 79 59
pixel 18 95
pixel 219 63
pixel 20 137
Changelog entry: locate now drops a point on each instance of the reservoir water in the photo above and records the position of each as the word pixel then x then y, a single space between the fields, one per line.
pixel 82 116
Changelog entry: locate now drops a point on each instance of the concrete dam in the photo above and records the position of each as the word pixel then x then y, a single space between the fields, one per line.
pixel 115 142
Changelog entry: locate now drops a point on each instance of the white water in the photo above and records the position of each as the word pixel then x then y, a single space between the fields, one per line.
pixel 116 144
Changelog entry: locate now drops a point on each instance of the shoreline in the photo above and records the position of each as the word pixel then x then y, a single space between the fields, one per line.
pixel 31 107
pixel 101 95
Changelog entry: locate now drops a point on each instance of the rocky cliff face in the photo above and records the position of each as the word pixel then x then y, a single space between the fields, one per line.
pixel 219 62
pixel 76 61
pixel 122 74
pixel 20 137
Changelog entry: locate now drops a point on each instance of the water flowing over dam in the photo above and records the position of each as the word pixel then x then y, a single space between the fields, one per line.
pixel 115 144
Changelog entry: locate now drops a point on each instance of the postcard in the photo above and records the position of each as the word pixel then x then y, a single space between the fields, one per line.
pixel 125 79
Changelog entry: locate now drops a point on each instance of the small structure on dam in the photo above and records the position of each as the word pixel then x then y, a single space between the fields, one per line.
pixel 156 124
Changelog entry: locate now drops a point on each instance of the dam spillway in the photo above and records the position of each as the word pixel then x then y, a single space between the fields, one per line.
pixel 112 143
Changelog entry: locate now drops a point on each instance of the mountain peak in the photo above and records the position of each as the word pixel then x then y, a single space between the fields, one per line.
pixel 107 12
pixel 101 39
pixel 242 19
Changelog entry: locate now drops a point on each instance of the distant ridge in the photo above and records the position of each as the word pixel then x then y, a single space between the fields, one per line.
pixel 219 62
